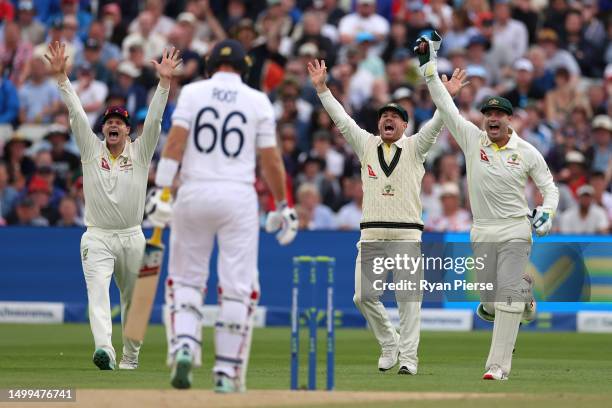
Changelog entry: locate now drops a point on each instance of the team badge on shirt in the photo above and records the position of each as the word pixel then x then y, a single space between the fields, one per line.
pixel 125 164
pixel 371 173
pixel 514 160
pixel 104 164
pixel 388 191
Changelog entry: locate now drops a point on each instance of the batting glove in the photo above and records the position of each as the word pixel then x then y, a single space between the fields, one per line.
pixel 159 208
pixel 541 220
pixel 426 50
pixel 284 219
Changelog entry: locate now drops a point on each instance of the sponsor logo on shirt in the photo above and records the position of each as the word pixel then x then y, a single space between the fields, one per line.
pixel 371 173
pixel 483 156
pixel 388 190
pixel 104 164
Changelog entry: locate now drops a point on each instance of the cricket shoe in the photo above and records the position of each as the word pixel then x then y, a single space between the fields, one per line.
pixel 483 314
pixel 128 363
pixel 224 384
pixel 389 356
pixel 103 360
pixel 495 373
pixel 181 376
pixel 407 369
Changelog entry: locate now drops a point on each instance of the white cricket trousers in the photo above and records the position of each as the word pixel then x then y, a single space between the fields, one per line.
pixel 376 315
pixel 202 212
pixel 105 253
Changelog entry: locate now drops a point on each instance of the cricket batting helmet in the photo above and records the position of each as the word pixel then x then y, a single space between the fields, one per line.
pixel 228 52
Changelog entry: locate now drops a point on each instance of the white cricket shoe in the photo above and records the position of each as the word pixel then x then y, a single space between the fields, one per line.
pixel 389 356
pixel 128 363
pixel 495 373
pixel 407 369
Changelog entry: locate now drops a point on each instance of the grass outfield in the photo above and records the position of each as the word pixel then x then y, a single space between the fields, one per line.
pixel 553 368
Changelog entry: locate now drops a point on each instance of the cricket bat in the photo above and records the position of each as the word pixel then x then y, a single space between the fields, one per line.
pixel 146 285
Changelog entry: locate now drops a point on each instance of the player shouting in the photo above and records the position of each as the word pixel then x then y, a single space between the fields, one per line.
pixel 218 127
pixel 115 173
pixel 391 171
pixel 499 163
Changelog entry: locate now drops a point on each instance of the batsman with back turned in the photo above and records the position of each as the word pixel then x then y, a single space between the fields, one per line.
pixel 218 128
pixel 499 164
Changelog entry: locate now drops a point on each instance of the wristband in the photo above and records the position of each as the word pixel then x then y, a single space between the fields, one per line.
pixel 166 170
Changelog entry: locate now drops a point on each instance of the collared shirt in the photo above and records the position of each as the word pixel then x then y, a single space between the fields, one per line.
pixel 496 176
pixel 114 188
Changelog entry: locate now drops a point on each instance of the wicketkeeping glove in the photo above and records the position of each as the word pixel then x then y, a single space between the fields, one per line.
pixel 541 219
pixel 285 219
pixel 426 50
pixel 159 207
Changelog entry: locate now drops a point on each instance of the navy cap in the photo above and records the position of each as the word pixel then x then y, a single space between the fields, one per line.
pixel 394 107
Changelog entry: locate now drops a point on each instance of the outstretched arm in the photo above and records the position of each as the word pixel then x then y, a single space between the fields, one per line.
pixel 460 128
pixel 353 134
pixel 152 126
pixel 429 132
pixel 85 138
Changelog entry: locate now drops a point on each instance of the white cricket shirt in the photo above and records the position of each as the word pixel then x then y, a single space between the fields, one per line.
pixel 227 121
pixel 496 176
pixel 114 190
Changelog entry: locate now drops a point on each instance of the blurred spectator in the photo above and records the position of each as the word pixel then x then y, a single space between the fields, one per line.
pixel 147 77
pixel 524 88
pixel 288 146
pixel 56 33
pixel 68 213
pixel 20 166
pixel 313 215
pixel 594 30
pixel 478 88
pixel 477 55
pixel 135 93
pixel 207 27
pixel 403 97
pixel 9 100
pixel 313 172
pixel 535 131
pixel 322 148
pixel 349 215
pixel 290 107
pixel 363 19
pixel 460 32
pixel 160 24
pixel 109 54
pixel 398 39
pixel 72 8
pixel 601 196
pixel 27 213
pixel 152 43
pixel 599 154
pixel 331 9
pixel 8 195
pixel 510 37
pixel 45 176
pixel 417 22
pixel 187 21
pixel 312 22
pixel 586 217
pixel 267 69
pixel 7 11
pixel 453 218
pixel 576 171
pixel 15 54
pixel 92 93
pixel 439 14
pixel 32 30
pixel 70 31
pixel 524 12
pixel 554 16
pixel 38 97
pixel 115 30
pixel 561 101
pixel 65 163
pixel 192 61
pixel 556 57
pixel 430 197
pixel 586 53
pixel 543 77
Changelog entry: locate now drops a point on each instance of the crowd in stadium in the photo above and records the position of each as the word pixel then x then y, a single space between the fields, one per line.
pixel 551 58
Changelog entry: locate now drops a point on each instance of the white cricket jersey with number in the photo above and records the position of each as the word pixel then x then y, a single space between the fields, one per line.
pixel 227 121
pixel 496 176
pixel 114 190
pixel 391 175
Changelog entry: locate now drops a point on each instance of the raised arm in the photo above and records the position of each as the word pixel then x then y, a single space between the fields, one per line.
pixel 460 128
pixel 85 138
pixel 428 134
pixel 353 134
pixel 152 126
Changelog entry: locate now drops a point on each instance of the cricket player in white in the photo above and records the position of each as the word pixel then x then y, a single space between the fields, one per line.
pixel 498 163
pixel 218 128
pixel 391 170
pixel 115 175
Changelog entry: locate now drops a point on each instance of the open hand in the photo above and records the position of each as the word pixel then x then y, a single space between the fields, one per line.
pixel 318 74
pixel 456 83
pixel 170 61
pixel 57 58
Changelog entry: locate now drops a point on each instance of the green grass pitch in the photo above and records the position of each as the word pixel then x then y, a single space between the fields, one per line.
pixel 556 368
